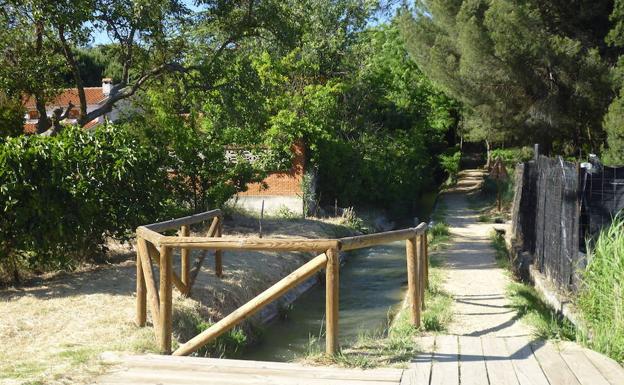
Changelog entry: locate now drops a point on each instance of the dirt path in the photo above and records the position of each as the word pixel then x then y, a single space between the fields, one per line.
pixel 474 280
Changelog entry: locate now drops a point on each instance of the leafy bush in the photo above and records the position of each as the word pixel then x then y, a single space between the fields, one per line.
pixel 512 156
pixel 450 161
pixel 602 292
pixel 63 196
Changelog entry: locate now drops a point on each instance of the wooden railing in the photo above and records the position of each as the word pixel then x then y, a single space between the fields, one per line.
pixel 153 247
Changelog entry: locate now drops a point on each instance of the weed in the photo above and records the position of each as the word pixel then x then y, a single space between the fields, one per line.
pixel 601 301
pixel 502 254
pixel 532 309
pixel 78 356
pixel 283 212
pixel 395 345
pixel 439 235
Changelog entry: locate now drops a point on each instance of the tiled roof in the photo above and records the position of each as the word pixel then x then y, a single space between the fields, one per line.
pixel 30 128
pixel 94 95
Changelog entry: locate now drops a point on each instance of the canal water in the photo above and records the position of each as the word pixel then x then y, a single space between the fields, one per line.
pixel 372 282
pixel 372 286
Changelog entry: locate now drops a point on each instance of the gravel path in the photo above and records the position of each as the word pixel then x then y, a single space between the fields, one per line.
pixel 474 280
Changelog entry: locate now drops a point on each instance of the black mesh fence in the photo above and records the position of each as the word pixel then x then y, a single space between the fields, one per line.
pixel 602 192
pixel 548 217
pixel 559 205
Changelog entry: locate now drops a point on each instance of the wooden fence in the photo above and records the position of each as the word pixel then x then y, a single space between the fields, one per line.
pixel 156 248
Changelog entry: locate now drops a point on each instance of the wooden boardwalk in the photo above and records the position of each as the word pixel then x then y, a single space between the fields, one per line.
pixel 445 360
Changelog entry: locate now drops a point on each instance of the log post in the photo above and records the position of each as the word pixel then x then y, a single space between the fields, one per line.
pixel 421 269
pixel 141 296
pixel 218 252
pixel 332 298
pixel 185 262
pixel 426 265
pixel 413 290
pixel 165 300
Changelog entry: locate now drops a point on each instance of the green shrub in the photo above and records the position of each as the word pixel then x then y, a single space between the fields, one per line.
pixel 602 292
pixel 512 156
pixel 63 196
pixel 450 161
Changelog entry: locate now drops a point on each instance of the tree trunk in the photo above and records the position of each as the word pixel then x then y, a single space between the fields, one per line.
pixel 488 154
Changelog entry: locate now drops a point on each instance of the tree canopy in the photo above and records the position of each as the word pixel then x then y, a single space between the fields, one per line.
pixel 525 71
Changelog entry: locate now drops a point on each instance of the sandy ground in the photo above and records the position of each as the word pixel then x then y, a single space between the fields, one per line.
pixel 476 283
pixel 53 331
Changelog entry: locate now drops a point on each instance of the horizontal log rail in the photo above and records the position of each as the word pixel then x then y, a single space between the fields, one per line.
pixel 175 224
pixel 262 244
pixel 154 247
pixel 368 240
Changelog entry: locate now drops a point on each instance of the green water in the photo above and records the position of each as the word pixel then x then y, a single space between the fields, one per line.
pixel 372 286
pixel 372 282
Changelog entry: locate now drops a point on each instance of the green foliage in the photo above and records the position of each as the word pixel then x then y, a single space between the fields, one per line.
pixel 230 344
pixel 450 161
pixel 532 309
pixel 614 126
pixel 11 116
pixel 512 156
pixel 64 196
pixel 500 247
pixel 602 292
pixel 529 71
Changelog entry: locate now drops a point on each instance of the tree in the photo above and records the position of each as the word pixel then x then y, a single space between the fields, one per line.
pixel 523 70
pixel 150 39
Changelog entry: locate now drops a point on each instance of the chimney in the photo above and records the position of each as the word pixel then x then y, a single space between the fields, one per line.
pixel 107 86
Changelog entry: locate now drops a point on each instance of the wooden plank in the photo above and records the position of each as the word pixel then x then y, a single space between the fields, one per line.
pixel 332 301
pixel 581 366
pixel 266 244
pixel 150 283
pixel 413 292
pixel 219 254
pixel 162 376
pixel 189 220
pixel 149 235
pixel 252 306
pixel 497 361
pixel 525 364
pixel 214 226
pixel 368 240
pixel 471 362
pixel 166 267
pixel 610 369
pixel 242 366
pixel 141 294
pixel 421 270
pixel 553 365
pixel 419 369
pixel 154 253
pixel 185 261
pixel 445 365
pixel 426 266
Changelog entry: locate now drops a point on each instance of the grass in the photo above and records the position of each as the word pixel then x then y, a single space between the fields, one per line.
pixel 529 305
pixel 533 310
pixel 502 254
pixel 396 344
pixel 601 300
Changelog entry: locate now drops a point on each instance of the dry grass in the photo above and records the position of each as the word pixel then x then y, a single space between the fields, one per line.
pixel 53 332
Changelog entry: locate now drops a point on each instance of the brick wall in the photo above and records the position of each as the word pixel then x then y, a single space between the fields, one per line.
pixel 281 183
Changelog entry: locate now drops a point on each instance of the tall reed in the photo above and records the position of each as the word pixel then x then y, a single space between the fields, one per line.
pixel 601 301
